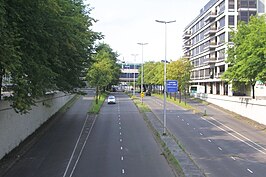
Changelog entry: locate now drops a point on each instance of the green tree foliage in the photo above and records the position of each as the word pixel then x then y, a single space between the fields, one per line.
pixel 247 57
pixel 104 71
pixel 45 45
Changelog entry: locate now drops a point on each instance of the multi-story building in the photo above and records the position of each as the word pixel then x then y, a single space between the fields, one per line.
pixel 129 75
pixel 206 39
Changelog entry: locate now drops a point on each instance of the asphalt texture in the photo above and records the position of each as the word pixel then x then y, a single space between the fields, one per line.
pixel 218 143
pixel 117 142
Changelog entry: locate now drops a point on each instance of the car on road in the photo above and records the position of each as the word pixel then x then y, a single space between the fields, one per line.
pixel 111 99
pixel 148 93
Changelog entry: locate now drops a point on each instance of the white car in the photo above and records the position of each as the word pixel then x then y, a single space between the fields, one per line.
pixel 111 99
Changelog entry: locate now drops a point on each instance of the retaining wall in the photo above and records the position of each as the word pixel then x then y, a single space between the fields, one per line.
pixel 245 106
pixel 14 128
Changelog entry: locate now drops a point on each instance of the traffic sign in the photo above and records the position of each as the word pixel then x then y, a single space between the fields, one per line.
pixel 171 85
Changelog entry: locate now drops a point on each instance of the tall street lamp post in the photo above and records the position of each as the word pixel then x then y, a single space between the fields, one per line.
pixel 134 84
pixel 165 59
pixel 141 88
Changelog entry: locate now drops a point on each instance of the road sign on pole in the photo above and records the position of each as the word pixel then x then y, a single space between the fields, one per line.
pixel 171 85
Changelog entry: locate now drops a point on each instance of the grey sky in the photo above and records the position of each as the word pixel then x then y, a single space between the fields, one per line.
pixel 125 23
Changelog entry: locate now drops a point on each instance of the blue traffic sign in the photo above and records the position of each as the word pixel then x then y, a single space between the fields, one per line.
pixel 171 85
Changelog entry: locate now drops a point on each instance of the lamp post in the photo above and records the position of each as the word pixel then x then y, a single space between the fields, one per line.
pixel 141 88
pixel 164 100
pixel 134 84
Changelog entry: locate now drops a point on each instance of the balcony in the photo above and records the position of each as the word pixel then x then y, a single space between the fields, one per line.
pixel 187 56
pixel 210 17
pixel 212 31
pixel 212 45
pixel 187 45
pixel 211 60
pixel 187 35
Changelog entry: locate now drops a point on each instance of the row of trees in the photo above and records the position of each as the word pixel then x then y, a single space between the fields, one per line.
pixel 247 55
pixel 105 71
pixel 44 45
pixel 176 70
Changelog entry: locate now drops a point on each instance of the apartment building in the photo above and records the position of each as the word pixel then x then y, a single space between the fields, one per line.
pixel 206 39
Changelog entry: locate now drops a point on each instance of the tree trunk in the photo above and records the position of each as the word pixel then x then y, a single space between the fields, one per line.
pixel 97 92
pixel 179 96
pixel 175 96
pixel 253 91
pixel 185 97
pixel 1 81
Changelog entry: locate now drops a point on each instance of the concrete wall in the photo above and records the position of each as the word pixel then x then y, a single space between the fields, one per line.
pixel 245 106
pixel 14 128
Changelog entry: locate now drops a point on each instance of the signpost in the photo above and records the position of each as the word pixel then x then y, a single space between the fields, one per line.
pixel 171 86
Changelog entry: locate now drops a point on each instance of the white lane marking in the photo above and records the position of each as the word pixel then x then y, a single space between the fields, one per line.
pixel 119 123
pixel 188 124
pixel 250 171
pixel 201 134
pixel 220 148
pixel 120 128
pixel 240 135
pixel 75 148
pixel 120 140
pixel 120 133
pixel 177 116
pixel 122 158
pixel 210 141
pixel 83 146
pixel 123 171
pixel 236 136
pixel 121 148
pixel 182 119
pixel 233 158
pixel 194 128
pixel 119 115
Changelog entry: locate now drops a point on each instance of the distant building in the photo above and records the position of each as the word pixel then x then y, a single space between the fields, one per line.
pixel 129 71
pixel 205 40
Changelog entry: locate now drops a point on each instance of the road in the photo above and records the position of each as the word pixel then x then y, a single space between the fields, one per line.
pixel 116 143
pixel 220 145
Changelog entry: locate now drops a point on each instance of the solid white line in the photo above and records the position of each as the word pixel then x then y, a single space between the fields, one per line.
pixel 123 171
pixel 83 146
pixel 236 137
pixel 75 148
pixel 220 148
pixel 239 134
pixel 250 171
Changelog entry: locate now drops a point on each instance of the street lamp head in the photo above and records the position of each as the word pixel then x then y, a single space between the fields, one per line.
pixel 160 21
pixel 141 43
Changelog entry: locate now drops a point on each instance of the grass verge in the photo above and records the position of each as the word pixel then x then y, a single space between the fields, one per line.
pixel 95 108
pixel 176 102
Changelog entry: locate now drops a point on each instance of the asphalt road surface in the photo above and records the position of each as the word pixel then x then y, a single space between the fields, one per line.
pixel 116 143
pixel 220 145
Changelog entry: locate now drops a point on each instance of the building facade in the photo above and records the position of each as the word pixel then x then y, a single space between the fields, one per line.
pixel 206 39
pixel 129 75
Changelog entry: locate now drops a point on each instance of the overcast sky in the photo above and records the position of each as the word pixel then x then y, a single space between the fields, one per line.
pixel 124 23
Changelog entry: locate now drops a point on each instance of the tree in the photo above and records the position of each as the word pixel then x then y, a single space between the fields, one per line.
pixel 180 70
pixel 247 56
pixel 46 45
pixel 104 70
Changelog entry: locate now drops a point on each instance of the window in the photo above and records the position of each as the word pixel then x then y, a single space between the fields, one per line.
pixel 252 4
pixel 222 7
pixel 231 20
pixel 222 38
pixel 231 4
pixel 222 23
pixel 243 4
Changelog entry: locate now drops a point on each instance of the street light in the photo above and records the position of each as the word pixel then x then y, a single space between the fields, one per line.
pixel 134 84
pixel 164 100
pixel 141 88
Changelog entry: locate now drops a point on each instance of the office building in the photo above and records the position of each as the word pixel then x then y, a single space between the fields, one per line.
pixel 206 39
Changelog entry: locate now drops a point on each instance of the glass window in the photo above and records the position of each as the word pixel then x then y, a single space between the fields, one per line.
pixel 243 3
pixel 231 4
pixel 252 3
pixel 231 20
pixel 222 22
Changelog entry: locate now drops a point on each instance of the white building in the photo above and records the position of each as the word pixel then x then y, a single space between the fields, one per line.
pixel 207 36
